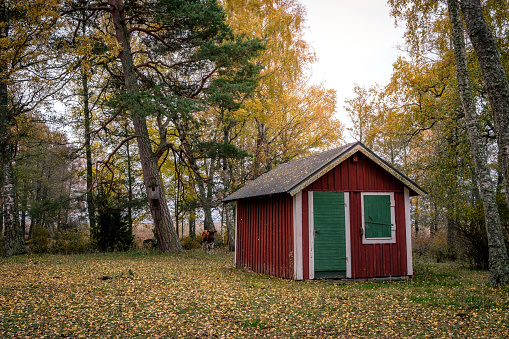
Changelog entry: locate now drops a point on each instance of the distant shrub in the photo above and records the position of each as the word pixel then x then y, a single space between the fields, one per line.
pixel 189 243
pixel 438 246
pixel 150 243
pixel 72 241
pixel 472 230
pixel 41 241
pixel 421 243
pixel 111 232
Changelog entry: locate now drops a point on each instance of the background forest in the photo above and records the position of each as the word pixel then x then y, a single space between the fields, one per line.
pixel 120 114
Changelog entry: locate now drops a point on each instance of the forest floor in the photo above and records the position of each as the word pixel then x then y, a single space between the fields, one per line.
pixel 193 295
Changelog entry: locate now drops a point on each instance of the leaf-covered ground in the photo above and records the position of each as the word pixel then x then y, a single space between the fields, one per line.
pixel 193 295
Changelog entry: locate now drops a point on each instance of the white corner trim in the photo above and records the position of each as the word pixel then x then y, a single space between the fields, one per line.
pixel 297 237
pixel 408 228
pixel 235 235
pixel 392 239
pixel 347 236
pixel 311 219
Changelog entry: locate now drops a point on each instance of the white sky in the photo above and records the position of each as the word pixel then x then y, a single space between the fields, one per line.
pixel 355 42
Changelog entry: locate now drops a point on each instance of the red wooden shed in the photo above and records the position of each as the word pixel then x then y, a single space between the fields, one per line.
pixel 340 213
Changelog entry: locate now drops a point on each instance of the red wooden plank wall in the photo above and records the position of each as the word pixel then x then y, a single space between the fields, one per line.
pixel 265 235
pixel 377 260
pixel 364 175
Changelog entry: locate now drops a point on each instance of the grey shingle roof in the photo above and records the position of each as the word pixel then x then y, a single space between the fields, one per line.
pixel 285 177
pixel 295 175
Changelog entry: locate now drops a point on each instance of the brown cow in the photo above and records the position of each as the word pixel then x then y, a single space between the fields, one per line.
pixel 207 241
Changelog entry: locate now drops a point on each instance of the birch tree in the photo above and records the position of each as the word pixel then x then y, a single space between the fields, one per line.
pixel 498 259
pixel 493 75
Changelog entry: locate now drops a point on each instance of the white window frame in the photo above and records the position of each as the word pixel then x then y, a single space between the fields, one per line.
pixel 387 240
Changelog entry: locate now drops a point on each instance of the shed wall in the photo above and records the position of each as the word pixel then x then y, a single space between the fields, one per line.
pixel 354 177
pixel 363 175
pixel 265 235
pixel 377 260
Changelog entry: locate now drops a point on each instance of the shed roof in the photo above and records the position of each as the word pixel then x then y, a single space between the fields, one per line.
pixel 294 176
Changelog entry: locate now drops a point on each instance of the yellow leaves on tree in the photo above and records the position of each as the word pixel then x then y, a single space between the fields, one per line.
pixel 289 118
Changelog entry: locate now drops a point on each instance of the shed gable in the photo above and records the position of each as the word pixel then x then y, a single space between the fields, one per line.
pixel 355 174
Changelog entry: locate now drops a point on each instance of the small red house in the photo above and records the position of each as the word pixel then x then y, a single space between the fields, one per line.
pixel 340 213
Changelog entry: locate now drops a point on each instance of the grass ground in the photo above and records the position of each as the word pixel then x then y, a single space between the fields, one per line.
pixel 193 295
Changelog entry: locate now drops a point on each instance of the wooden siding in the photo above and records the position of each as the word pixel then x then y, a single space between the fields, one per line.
pixel 377 260
pixel 356 176
pixel 265 235
pixel 364 175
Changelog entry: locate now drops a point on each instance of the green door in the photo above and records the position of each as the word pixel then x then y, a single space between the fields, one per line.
pixel 329 229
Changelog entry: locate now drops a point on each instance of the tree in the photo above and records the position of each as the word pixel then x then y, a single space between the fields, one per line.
pixel 359 109
pixel 14 234
pixel 453 178
pixel 288 117
pixel 494 78
pixel 179 55
pixel 25 48
pixel 112 231
pixel 498 258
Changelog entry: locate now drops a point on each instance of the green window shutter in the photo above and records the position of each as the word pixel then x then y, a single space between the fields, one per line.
pixel 377 216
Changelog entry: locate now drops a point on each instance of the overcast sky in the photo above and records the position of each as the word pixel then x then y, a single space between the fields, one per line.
pixel 355 42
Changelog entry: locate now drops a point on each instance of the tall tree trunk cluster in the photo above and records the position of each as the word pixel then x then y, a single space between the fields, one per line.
pixel 164 229
pixel 14 241
pixel 494 78
pixel 498 260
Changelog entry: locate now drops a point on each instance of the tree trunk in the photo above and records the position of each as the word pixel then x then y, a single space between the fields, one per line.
pixel 226 187
pixel 208 223
pixel 498 260
pixel 451 237
pixel 164 230
pixel 130 190
pixel 14 241
pixel 24 205
pixel 230 227
pixel 34 218
pixel 88 147
pixel 192 222
pixel 2 211
pixel 417 217
pixel 204 189
pixel 494 78
pixel 261 154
